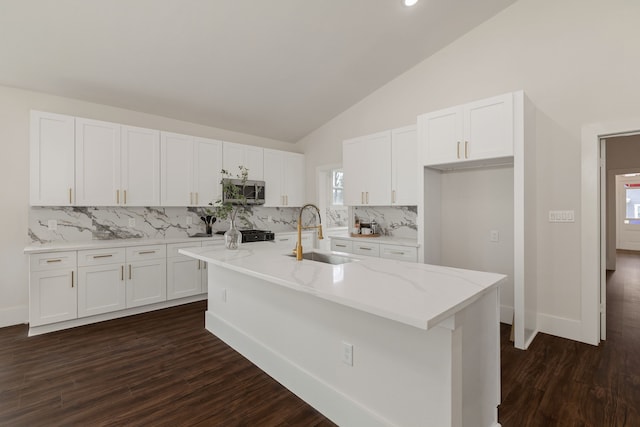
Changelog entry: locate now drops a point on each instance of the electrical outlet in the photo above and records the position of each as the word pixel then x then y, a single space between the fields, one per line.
pixel 347 353
pixel 189 220
pixel 494 236
pixel 561 216
pixel 52 224
pixel 132 222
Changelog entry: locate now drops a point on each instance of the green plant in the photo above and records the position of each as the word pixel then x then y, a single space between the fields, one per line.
pixel 227 210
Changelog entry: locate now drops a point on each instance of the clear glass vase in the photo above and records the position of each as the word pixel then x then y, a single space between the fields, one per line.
pixel 232 237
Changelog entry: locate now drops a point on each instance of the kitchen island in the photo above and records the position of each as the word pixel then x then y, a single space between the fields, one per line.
pixel 368 342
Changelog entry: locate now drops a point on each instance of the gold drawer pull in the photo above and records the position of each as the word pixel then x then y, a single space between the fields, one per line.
pixel 54 260
pixel 341 246
pixel 129 271
pixel 102 256
pixel 125 197
pixel 72 278
pixel 396 253
pixel 122 272
pixel 70 196
pixel 365 249
pixel 146 252
pixel 458 150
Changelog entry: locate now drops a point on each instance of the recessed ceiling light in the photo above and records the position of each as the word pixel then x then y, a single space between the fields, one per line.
pixel 409 2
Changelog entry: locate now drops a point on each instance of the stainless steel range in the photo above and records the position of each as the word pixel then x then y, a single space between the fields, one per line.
pixel 257 236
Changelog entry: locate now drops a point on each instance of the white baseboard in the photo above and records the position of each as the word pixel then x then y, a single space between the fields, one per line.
pixel 506 314
pixel 560 327
pixel 330 402
pixel 14 316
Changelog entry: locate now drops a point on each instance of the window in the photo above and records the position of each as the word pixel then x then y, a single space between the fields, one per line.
pixel 337 187
pixel 632 199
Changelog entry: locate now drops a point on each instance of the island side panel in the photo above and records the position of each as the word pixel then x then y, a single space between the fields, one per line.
pixel 401 375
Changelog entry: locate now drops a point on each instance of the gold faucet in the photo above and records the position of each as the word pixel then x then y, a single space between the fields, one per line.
pixel 298 249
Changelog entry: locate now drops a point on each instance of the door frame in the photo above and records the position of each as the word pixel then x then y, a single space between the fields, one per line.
pixel 593 234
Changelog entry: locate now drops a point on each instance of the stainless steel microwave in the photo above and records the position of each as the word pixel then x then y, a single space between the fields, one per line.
pixel 253 192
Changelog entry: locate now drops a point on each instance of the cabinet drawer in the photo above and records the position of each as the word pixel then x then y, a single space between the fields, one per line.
pixel 365 248
pixel 172 248
pixel 140 253
pixel 401 253
pixel 100 256
pixel 52 261
pixel 341 245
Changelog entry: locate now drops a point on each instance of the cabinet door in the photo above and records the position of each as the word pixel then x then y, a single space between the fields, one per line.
pixel 488 130
pixel 441 136
pixel 377 165
pixel 146 282
pixel 273 176
pixel 208 164
pixel 97 163
pixel 140 167
pixel 53 296
pixel 176 172
pixel 236 155
pixel 400 253
pixel 52 164
pixel 404 166
pixel 294 179
pixel 101 289
pixel 354 172
pixel 184 277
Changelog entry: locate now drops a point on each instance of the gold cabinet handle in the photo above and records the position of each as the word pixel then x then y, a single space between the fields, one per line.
pixel 458 150
pixel 54 260
pixel 364 249
pixel 367 197
pixel 102 256
pixel 197 195
pixel 396 253
pixel 198 264
pixel 125 197
pixel 72 278
pixel 341 246
pixel 118 196
pixel 146 252
pixel 70 202
pixel 122 273
pixel 466 149
pixel 204 265
pixel 393 196
pixel 129 271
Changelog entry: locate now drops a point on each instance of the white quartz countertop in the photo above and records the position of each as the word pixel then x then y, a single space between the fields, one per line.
pixel 390 240
pixel 114 243
pixel 419 295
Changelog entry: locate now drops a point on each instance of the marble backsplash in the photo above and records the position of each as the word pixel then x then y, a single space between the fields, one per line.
pixel 396 221
pixel 104 223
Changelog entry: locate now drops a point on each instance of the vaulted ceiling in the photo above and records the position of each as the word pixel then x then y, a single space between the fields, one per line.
pixel 273 68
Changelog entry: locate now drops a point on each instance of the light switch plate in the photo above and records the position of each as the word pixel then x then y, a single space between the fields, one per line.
pixel 561 216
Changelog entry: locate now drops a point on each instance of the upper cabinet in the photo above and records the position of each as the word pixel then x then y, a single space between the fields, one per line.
pixel 236 155
pixel 97 163
pixel 404 166
pixel 284 174
pixel 116 165
pixel 190 170
pixel 381 169
pixel 52 152
pixel 469 133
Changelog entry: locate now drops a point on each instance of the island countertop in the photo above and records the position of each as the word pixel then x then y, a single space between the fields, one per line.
pixel 419 295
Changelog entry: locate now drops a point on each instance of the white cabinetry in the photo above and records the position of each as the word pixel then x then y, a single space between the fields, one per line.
pixel 375 249
pixel 101 281
pixel 52 154
pixel 97 163
pixel 289 240
pixel 367 170
pixel 404 166
pixel 284 178
pixel 146 275
pixel 190 172
pixel 140 167
pixel 471 132
pixel 236 155
pixel 52 288
pixel 185 275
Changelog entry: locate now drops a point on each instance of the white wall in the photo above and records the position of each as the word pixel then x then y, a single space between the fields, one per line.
pixel 14 176
pixel 561 54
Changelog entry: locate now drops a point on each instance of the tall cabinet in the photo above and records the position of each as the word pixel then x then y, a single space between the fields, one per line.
pixel 469 151
pixel 284 178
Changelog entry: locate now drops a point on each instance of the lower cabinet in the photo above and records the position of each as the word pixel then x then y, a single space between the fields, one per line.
pixel 101 281
pixel 185 276
pixel 382 250
pixel 53 291
pixel 146 275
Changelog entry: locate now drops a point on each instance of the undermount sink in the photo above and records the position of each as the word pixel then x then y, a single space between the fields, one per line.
pixel 325 258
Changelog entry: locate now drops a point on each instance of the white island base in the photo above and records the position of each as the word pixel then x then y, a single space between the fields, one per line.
pixel 444 374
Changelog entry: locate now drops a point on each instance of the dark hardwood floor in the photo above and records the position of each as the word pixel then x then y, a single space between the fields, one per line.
pixel 164 368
